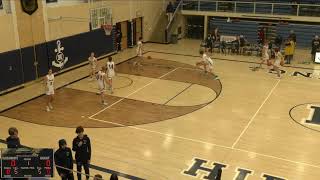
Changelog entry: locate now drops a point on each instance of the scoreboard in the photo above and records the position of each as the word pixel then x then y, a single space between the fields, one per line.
pixel 24 163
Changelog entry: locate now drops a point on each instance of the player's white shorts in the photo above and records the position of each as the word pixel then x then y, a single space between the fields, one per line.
pixel 102 87
pixel 50 91
pixel 93 67
pixel 111 74
pixel 277 63
pixel 139 53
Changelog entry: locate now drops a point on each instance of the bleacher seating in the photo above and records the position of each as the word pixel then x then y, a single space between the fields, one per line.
pixel 246 28
pixel 281 7
pixel 249 29
pixel 305 33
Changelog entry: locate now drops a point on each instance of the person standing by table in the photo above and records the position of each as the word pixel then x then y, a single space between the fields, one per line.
pixel 82 147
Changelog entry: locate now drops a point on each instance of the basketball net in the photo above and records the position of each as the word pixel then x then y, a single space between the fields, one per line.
pixel 107 29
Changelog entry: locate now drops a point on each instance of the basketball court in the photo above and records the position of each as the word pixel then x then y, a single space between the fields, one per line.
pixel 169 119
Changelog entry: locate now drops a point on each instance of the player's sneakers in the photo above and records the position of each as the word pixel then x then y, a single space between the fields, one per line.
pixel 50 106
pixel 105 103
pixel 48 109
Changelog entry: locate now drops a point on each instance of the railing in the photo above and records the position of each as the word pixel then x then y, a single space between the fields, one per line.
pixel 167 34
pixel 288 9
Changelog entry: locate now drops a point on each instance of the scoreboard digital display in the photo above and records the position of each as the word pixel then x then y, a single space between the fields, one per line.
pixel 24 163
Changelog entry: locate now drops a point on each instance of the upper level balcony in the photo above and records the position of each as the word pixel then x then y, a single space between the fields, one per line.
pixel 281 10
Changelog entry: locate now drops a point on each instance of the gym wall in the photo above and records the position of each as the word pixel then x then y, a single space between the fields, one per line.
pixel 29 49
pixel 7 33
pixel 76 18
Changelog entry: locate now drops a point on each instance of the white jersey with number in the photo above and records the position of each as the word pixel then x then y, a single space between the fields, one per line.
pixel 110 67
pixel 92 62
pixel 101 81
pixel 278 59
pixel 49 84
pixel 207 60
pixel 265 53
pixel 139 48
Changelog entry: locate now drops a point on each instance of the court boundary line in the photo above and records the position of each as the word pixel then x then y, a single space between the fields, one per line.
pixel 178 94
pixel 255 114
pixel 154 80
pixel 204 142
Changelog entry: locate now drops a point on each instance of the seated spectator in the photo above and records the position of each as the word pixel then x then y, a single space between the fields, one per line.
pixel 216 35
pixel 223 47
pixel 315 46
pixel 13 140
pixel 289 50
pixel 63 158
pixel 114 177
pixel 243 43
pixel 236 45
pixel 169 11
pixel 209 43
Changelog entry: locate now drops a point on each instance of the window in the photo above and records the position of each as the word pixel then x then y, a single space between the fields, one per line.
pixel 100 16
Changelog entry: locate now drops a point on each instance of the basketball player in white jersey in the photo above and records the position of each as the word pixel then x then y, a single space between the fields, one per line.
pixel 111 73
pixel 207 63
pixel 49 89
pixel 265 54
pixel 139 50
pixel 93 65
pixel 101 77
pixel 279 60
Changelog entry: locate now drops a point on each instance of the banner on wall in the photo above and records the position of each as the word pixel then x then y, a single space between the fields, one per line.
pixel 60 59
pixel 29 6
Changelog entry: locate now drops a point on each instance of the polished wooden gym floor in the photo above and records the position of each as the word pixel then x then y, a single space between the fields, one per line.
pixel 163 120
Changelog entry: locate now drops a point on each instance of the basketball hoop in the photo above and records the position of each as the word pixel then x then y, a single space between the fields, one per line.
pixel 107 29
